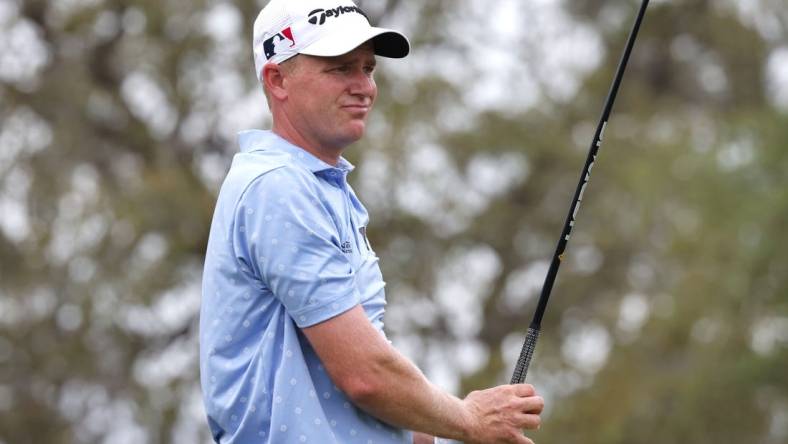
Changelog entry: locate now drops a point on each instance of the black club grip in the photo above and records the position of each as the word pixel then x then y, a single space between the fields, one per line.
pixel 521 369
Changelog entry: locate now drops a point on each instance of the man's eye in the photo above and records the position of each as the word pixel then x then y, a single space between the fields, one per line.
pixel 342 69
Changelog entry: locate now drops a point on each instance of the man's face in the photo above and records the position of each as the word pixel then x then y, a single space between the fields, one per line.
pixel 328 98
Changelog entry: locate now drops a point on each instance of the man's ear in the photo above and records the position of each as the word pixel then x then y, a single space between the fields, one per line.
pixel 274 79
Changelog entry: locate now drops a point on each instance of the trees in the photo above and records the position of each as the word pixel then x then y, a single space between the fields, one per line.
pixel 117 126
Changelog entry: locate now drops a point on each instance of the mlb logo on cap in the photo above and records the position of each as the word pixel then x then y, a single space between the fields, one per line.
pixel 279 43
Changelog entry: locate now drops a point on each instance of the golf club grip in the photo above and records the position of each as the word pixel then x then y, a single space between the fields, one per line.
pixel 527 352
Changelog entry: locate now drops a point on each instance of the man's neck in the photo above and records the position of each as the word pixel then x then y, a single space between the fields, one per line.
pixel 327 155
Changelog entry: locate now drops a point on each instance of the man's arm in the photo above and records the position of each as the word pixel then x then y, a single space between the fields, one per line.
pixel 384 383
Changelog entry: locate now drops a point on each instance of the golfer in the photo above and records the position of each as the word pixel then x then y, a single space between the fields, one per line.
pixel 292 348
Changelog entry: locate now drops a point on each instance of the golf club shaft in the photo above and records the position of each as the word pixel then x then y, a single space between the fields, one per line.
pixel 524 360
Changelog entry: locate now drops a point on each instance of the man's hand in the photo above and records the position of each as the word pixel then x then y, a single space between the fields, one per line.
pixel 499 414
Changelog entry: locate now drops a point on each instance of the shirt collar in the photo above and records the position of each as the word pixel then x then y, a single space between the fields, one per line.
pixel 264 140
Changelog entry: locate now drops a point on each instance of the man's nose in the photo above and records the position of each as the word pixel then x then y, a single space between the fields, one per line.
pixel 363 84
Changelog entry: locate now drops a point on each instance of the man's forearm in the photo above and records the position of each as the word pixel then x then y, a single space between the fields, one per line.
pixel 387 385
pixel 382 381
pixel 400 395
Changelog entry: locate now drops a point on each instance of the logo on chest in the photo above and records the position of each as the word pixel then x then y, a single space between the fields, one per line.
pixel 347 247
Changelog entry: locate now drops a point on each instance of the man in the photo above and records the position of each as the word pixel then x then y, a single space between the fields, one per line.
pixel 292 342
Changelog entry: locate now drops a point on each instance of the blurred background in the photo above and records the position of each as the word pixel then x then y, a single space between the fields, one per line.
pixel 669 319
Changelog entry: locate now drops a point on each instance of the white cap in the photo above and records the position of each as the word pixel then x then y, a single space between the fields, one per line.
pixel 325 28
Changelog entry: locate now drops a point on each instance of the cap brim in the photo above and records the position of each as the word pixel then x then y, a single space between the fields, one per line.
pixel 387 42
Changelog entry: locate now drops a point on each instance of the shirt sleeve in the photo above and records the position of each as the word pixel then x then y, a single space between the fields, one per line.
pixel 287 235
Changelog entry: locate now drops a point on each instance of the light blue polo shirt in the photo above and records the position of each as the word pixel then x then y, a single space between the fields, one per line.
pixel 287 250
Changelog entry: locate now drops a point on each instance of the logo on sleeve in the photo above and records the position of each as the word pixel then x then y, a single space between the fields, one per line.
pixel 279 43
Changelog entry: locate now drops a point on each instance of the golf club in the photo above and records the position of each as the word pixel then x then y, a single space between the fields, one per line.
pixel 521 369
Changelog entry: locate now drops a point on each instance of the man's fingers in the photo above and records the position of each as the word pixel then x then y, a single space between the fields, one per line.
pixel 524 390
pixel 528 421
pixel 533 404
pixel 524 440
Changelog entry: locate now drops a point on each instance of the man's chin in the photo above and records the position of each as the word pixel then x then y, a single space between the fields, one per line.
pixel 356 130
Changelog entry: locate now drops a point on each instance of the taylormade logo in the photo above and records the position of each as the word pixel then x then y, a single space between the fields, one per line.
pixel 319 16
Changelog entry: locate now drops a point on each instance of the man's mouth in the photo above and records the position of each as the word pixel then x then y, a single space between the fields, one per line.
pixel 357 105
pixel 357 109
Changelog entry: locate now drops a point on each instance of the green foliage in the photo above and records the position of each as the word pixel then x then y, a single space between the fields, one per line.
pixel 113 144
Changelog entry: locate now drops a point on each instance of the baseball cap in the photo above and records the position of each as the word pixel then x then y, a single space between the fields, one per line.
pixel 324 28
